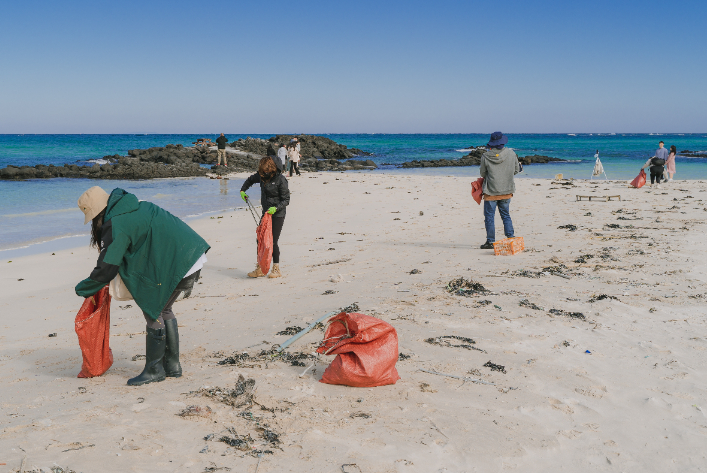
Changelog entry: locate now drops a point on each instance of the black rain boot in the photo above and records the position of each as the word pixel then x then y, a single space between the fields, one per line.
pixel 154 354
pixel 171 362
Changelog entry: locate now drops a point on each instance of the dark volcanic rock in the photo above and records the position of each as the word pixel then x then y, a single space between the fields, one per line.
pixel 311 146
pixel 474 158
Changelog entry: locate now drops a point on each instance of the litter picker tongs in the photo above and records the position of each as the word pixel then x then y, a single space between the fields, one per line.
pixel 253 211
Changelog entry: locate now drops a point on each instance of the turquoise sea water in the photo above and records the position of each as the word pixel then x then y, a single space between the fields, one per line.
pixel 38 210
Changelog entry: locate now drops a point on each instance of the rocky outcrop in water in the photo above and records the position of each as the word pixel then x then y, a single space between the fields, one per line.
pixel 312 146
pixel 474 159
pixel 151 163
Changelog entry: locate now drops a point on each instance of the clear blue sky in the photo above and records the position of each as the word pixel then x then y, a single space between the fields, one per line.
pixel 362 66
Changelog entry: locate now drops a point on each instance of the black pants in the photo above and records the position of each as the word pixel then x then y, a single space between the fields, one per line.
pixel 167 314
pixel 294 166
pixel 656 174
pixel 277 223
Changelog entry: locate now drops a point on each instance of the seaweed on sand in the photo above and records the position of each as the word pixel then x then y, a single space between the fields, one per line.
pixel 444 341
pixel 241 395
pixel 466 287
pixel 574 315
pixel 529 305
pixel 494 367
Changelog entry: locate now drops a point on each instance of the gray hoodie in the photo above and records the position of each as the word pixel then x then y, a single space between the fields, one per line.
pixel 498 166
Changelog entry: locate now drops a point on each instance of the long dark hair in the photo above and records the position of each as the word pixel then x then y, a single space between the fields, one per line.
pixel 96 225
pixel 673 149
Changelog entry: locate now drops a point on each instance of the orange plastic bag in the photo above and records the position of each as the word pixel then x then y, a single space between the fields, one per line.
pixel 477 190
pixel 367 350
pixel 640 180
pixel 92 325
pixel 265 243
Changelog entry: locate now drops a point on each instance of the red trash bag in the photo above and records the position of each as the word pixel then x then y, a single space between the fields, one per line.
pixel 367 351
pixel 477 190
pixel 265 243
pixel 640 180
pixel 92 325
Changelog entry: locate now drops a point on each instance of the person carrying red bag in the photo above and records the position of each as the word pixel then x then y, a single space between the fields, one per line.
pixel 157 255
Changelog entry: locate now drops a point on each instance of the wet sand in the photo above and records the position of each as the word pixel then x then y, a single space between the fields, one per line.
pixel 618 384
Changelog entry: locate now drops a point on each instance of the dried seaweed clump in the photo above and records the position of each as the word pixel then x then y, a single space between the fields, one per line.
pixel 494 367
pixel 444 341
pixel 601 297
pixel 465 287
pixel 291 330
pixel 568 227
pixel 574 315
pixel 530 305
pixel 241 395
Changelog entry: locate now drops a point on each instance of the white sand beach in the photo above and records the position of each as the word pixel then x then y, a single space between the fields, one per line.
pixel 620 388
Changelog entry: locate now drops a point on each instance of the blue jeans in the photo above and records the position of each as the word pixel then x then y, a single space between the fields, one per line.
pixel 489 211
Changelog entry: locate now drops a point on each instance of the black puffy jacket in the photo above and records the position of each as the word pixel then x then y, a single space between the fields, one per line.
pixel 274 193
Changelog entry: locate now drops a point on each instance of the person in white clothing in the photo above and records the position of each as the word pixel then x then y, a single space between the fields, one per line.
pixel 283 155
pixel 295 157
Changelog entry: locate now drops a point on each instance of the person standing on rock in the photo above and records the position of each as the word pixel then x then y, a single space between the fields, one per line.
pixel 157 255
pixel 283 155
pixel 295 157
pixel 498 166
pixel 275 197
pixel 222 149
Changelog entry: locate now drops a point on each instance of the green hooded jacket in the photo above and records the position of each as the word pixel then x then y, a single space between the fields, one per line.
pixel 149 247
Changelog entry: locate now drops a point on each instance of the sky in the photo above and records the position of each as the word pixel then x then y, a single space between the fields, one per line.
pixel 353 67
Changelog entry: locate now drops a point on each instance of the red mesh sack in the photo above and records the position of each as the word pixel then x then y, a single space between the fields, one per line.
pixel 92 325
pixel 640 180
pixel 367 351
pixel 477 190
pixel 265 243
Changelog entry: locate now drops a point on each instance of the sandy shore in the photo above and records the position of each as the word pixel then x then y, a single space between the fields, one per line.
pixel 622 388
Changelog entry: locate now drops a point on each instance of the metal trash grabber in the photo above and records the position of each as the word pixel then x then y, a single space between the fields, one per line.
pixel 253 211
pixel 288 342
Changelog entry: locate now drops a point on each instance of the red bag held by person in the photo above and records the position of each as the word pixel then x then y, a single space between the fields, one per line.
pixel 265 243
pixel 640 180
pixel 477 190
pixel 367 350
pixel 92 325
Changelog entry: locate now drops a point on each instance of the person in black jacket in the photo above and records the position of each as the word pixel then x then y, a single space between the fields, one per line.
pixel 221 149
pixel 274 199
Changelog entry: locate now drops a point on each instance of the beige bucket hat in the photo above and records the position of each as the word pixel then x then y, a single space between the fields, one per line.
pixel 92 202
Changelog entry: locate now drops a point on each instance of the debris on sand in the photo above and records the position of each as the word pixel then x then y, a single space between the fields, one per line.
pixel 464 287
pixel 415 271
pixel 426 388
pixel 444 341
pixel 362 415
pixel 525 273
pixel 574 315
pixel 291 330
pixel 329 291
pixel 213 468
pixel 241 395
pixel 494 367
pixel 351 308
pixel 529 305
pixel 612 226
pixel 482 303
pixel 403 357
pixel 240 442
pixel 137 357
pixel 195 411
pixel 583 259
pixel 568 227
pixel 601 297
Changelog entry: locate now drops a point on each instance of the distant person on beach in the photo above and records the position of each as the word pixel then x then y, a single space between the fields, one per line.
pixel 157 255
pixel 498 166
pixel 275 196
pixel 283 155
pixel 221 149
pixel 295 157
pixel 670 163
pixel 656 164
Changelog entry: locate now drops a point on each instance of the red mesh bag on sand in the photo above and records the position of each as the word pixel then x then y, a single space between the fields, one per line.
pixel 367 351
pixel 477 190
pixel 92 325
pixel 640 180
pixel 265 243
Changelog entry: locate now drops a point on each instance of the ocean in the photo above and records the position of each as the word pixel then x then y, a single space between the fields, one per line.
pixel 40 210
